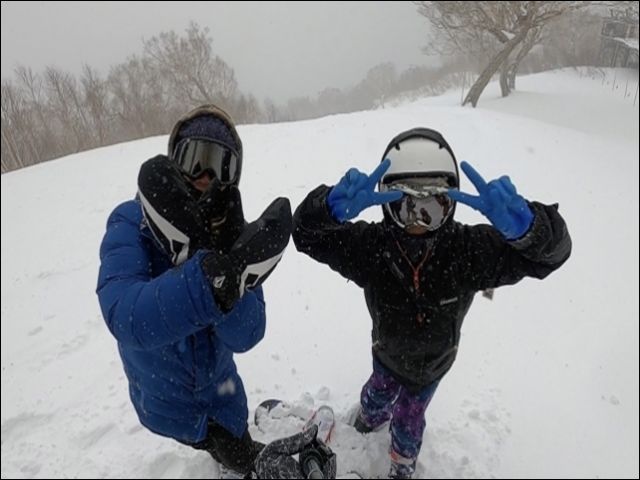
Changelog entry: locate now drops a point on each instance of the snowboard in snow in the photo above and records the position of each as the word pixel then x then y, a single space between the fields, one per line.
pixel 323 417
pixel 274 410
pixel 264 408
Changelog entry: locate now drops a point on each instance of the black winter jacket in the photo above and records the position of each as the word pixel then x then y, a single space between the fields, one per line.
pixel 417 310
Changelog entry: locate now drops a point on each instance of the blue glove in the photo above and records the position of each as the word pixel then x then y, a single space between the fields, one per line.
pixel 355 192
pixel 498 201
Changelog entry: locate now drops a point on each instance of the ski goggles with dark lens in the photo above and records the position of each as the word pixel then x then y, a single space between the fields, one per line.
pixel 425 202
pixel 196 156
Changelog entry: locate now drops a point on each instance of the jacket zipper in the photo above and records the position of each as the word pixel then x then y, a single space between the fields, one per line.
pixel 416 274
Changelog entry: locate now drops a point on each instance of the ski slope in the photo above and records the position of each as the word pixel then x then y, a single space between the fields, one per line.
pixel 546 381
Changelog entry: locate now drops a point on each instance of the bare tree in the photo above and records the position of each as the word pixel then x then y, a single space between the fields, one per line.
pixel 510 67
pixel 53 113
pixel 510 29
pixel 16 152
pixel 331 100
pixel 95 99
pixel 196 74
pixel 571 40
pixel 245 109
pixel 253 111
pixel 382 80
pixel 36 98
pixel 270 111
pixel 139 99
pixel 62 94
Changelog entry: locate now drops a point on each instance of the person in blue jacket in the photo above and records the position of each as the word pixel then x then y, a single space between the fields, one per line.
pixel 179 287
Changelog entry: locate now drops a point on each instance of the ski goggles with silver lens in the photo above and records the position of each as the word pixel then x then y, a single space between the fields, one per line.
pixel 425 202
pixel 196 156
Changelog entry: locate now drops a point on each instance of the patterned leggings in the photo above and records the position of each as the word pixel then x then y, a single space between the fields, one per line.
pixel 384 398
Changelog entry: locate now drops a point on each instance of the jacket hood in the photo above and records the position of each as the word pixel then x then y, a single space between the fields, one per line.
pixel 203 110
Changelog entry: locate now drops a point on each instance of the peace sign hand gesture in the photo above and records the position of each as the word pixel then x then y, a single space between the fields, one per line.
pixel 499 201
pixel 355 192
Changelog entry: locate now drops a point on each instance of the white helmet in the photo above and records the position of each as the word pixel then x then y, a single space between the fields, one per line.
pixel 423 166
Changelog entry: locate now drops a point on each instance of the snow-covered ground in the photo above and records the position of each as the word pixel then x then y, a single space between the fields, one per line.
pixel 546 383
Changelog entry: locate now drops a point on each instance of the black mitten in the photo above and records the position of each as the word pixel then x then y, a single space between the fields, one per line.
pixel 252 257
pixel 171 209
pixel 222 207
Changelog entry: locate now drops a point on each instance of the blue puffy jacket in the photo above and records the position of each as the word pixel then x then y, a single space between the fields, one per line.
pixel 176 346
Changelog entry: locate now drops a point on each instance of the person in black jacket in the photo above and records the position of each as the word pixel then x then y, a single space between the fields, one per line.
pixel 420 269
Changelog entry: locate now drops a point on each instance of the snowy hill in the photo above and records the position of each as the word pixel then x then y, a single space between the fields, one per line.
pixel 546 382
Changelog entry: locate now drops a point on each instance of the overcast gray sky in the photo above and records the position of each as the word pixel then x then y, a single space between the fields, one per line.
pixel 277 49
